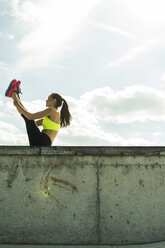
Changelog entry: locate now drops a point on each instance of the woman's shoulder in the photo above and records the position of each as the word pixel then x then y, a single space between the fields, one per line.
pixel 55 115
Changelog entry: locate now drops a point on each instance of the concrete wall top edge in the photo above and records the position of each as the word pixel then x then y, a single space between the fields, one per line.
pixel 84 150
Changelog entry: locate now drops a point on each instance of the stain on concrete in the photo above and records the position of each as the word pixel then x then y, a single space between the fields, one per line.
pixel 46 185
pixel 27 179
pixel 13 172
pixel 141 182
pixel 9 183
pixel 64 182
pixel 56 181
pixel 12 177
pixel 127 169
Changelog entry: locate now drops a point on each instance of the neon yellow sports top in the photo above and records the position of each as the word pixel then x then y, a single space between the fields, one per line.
pixel 49 124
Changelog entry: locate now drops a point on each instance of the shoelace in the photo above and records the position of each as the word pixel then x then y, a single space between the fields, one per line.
pixel 17 89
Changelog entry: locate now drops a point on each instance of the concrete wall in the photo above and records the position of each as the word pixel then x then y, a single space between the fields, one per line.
pixel 82 195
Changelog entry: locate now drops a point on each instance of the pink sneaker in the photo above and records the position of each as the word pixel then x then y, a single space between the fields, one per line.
pixel 12 88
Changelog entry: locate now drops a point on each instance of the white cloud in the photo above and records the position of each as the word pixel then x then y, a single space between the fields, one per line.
pixel 10 134
pixel 162 77
pixel 26 11
pixel 97 137
pixel 134 103
pixel 8 127
pixel 156 134
pixel 7 138
pixel 85 128
pixel 148 13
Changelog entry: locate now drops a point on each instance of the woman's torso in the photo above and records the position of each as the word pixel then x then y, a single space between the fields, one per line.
pixel 53 133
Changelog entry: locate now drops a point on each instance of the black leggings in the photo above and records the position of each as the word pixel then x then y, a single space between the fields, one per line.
pixel 36 138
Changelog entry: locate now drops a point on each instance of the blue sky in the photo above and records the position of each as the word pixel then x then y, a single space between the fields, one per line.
pixel 106 58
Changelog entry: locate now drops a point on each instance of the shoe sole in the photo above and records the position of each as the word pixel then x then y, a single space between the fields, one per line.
pixel 7 91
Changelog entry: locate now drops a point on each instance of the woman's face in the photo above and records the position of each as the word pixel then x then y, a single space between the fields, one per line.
pixel 50 102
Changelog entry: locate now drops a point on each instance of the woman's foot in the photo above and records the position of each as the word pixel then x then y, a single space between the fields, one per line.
pixel 11 88
pixel 14 86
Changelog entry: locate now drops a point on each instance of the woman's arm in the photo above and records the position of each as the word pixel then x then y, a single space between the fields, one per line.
pixel 21 110
pixel 16 97
pixel 34 116
pixel 39 122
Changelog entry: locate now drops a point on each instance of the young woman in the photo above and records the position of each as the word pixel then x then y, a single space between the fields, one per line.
pixel 51 118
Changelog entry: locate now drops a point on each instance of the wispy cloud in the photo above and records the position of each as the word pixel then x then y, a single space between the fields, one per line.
pixel 115 30
pixel 53 24
pixel 60 67
pixel 3 66
pixel 133 53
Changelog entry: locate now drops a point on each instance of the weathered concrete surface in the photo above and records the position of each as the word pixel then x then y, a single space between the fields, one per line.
pixel 82 195
pixel 155 245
